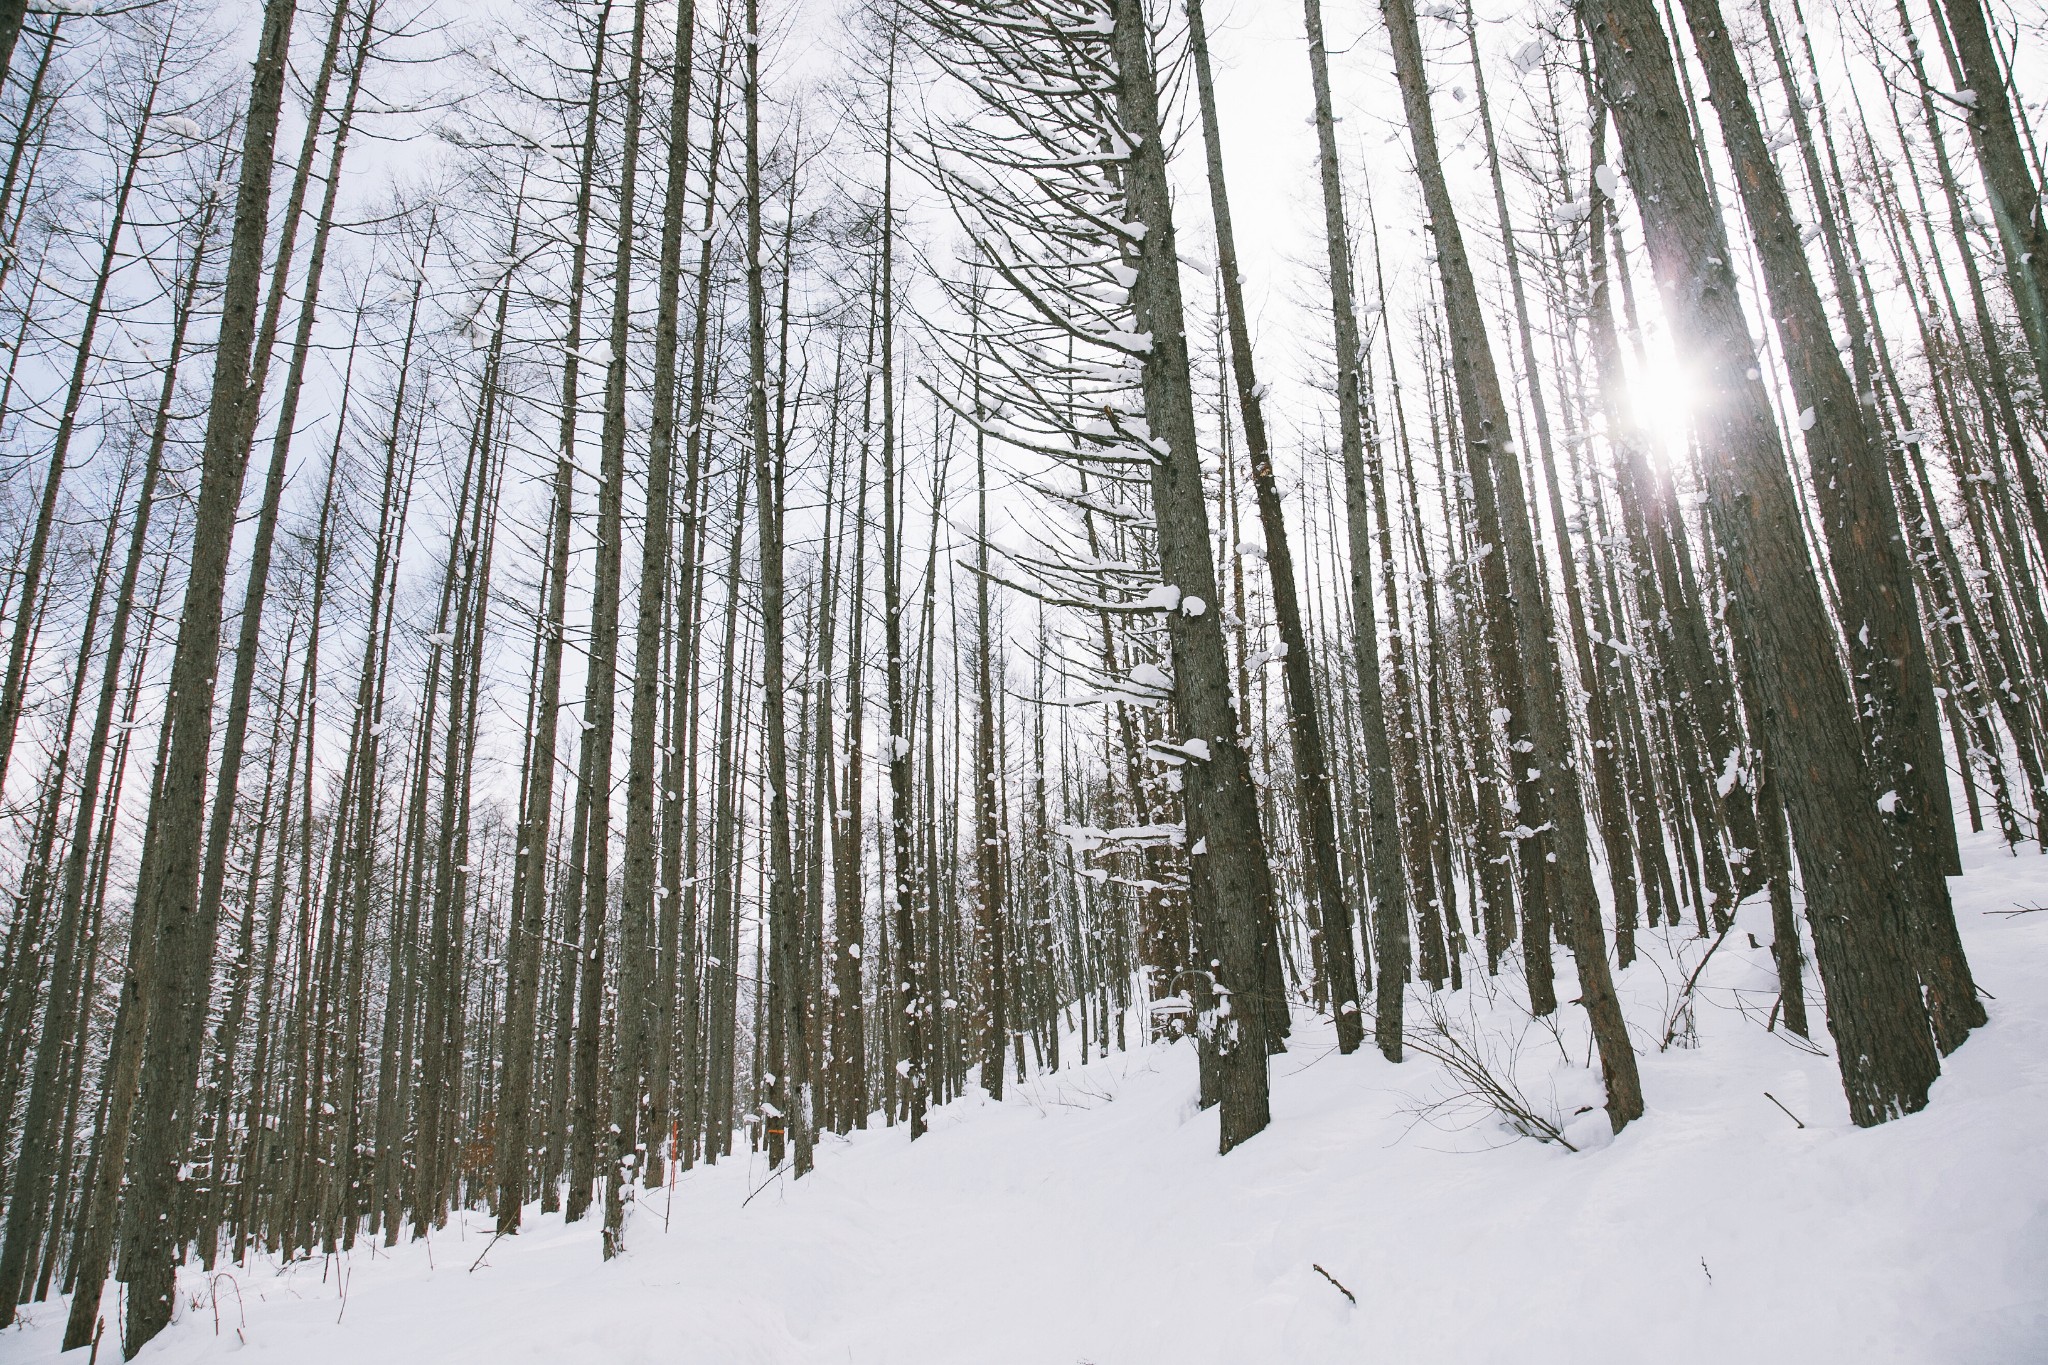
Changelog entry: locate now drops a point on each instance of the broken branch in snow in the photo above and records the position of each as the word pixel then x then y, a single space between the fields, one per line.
pixel 1787 1112
pixel 1333 1280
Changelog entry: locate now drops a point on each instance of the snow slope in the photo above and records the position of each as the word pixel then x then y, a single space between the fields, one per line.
pixel 1089 1219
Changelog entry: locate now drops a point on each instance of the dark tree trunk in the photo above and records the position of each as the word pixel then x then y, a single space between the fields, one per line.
pixel 2008 177
pixel 1524 658
pixel 173 944
pixel 571 902
pixel 1382 832
pixel 1222 808
pixel 1313 799
pixel 653 884
pixel 1776 613
pixel 990 890
pixel 636 905
pixel 1866 547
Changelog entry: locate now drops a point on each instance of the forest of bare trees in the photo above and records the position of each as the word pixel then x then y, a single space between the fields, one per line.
pixel 591 586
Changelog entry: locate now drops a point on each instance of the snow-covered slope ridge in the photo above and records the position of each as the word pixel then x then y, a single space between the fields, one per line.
pixel 1088 1217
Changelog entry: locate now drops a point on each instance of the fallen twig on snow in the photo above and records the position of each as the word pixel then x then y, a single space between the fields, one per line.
pixel 1480 1079
pixel 764 1185
pixel 485 1252
pixel 1787 1112
pixel 1333 1280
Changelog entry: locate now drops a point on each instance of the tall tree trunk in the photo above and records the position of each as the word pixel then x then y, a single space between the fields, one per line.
pixel 722 937
pixel 1382 825
pixel 1866 547
pixel 910 1009
pixel 1222 808
pixel 1313 799
pixel 78 857
pixel 990 891
pixel 1613 806
pixel 849 1101
pixel 783 905
pixel 1987 97
pixel 1524 657
pixel 572 902
pixel 600 690
pixel 656 884
pixel 682 851
pixel 172 952
pixel 527 924
pixel 1776 613
pixel 635 961
pixel 234 731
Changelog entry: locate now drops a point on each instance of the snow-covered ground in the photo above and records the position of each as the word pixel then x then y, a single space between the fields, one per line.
pixel 1089 1219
